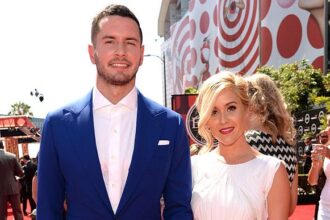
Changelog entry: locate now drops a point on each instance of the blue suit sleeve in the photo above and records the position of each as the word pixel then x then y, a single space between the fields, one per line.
pixel 178 188
pixel 51 189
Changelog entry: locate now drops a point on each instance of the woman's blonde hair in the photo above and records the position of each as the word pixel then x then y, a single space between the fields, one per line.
pixel 268 103
pixel 207 96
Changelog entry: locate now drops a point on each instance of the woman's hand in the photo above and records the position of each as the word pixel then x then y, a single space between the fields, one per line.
pixel 317 154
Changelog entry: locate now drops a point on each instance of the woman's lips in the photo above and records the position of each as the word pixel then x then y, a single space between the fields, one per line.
pixel 226 130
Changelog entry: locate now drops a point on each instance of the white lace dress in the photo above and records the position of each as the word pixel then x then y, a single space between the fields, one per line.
pixel 235 192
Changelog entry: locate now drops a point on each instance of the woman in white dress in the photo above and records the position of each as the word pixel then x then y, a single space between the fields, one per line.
pixel 233 181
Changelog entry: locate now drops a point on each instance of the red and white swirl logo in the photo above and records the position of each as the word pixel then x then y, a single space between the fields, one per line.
pixel 238 35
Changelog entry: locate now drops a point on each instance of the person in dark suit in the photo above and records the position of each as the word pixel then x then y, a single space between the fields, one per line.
pixel 114 153
pixel 307 154
pixel 29 170
pixel 21 181
pixel 9 190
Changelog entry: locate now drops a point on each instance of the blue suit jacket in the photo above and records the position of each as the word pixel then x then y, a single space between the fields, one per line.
pixel 69 167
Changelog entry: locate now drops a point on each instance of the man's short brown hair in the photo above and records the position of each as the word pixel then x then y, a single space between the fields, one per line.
pixel 119 10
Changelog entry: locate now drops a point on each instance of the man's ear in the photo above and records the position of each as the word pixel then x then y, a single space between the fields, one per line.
pixel 142 54
pixel 91 53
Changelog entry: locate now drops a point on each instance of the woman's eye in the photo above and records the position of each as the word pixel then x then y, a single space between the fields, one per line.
pixel 231 108
pixel 214 112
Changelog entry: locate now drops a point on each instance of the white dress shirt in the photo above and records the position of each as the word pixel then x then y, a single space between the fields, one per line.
pixel 115 127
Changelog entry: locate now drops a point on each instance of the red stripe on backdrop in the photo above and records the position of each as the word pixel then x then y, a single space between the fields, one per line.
pixel 240 60
pixel 234 37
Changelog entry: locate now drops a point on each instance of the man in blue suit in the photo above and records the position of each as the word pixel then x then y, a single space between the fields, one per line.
pixel 114 154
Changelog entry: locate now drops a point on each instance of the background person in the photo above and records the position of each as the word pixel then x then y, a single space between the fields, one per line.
pixel 321 164
pixel 233 181
pixel 9 189
pixel 29 170
pixel 114 153
pixel 307 154
pixel 34 194
pixel 272 130
pixel 21 181
pixel 322 138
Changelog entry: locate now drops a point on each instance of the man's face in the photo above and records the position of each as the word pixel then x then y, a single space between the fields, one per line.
pixel 117 51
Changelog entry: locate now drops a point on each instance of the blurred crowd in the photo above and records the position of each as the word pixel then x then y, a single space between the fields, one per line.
pixel 16 187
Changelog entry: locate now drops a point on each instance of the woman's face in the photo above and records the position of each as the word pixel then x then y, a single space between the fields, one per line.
pixel 228 120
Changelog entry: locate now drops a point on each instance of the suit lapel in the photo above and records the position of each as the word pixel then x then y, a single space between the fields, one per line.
pixel 146 137
pixel 81 127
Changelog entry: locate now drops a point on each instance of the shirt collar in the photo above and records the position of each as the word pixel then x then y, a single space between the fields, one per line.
pixel 129 101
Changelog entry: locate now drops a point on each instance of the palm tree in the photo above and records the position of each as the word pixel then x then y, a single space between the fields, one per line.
pixel 20 108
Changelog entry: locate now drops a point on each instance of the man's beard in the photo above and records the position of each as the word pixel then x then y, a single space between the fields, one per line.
pixel 116 80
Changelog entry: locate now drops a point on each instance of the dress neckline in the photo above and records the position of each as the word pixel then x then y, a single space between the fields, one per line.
pixel 217 157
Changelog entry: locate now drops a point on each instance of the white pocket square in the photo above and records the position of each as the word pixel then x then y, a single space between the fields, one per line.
pixel 163 142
